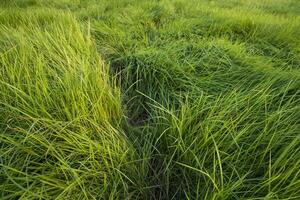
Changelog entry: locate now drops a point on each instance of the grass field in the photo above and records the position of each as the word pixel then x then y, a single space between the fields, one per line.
pixel 158 99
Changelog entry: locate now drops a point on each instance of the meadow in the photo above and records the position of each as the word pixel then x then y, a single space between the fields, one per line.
pixel 156 99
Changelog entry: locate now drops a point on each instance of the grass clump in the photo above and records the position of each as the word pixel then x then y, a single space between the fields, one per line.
pixel 60 116
pixel 149 99
pixel 212 150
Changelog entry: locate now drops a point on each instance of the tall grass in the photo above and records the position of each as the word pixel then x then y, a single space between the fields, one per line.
pixel 60 115
pixel 238 146
pixel 149 99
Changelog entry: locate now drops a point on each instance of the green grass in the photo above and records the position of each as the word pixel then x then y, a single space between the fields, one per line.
pixel 169 99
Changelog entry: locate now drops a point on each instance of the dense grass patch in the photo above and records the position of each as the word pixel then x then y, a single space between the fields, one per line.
pixel 64 112
pixel 149 99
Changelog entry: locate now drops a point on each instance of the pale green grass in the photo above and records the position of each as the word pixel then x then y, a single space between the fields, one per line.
pixel 129 99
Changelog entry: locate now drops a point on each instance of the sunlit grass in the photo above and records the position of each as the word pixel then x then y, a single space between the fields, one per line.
pixel 149 99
